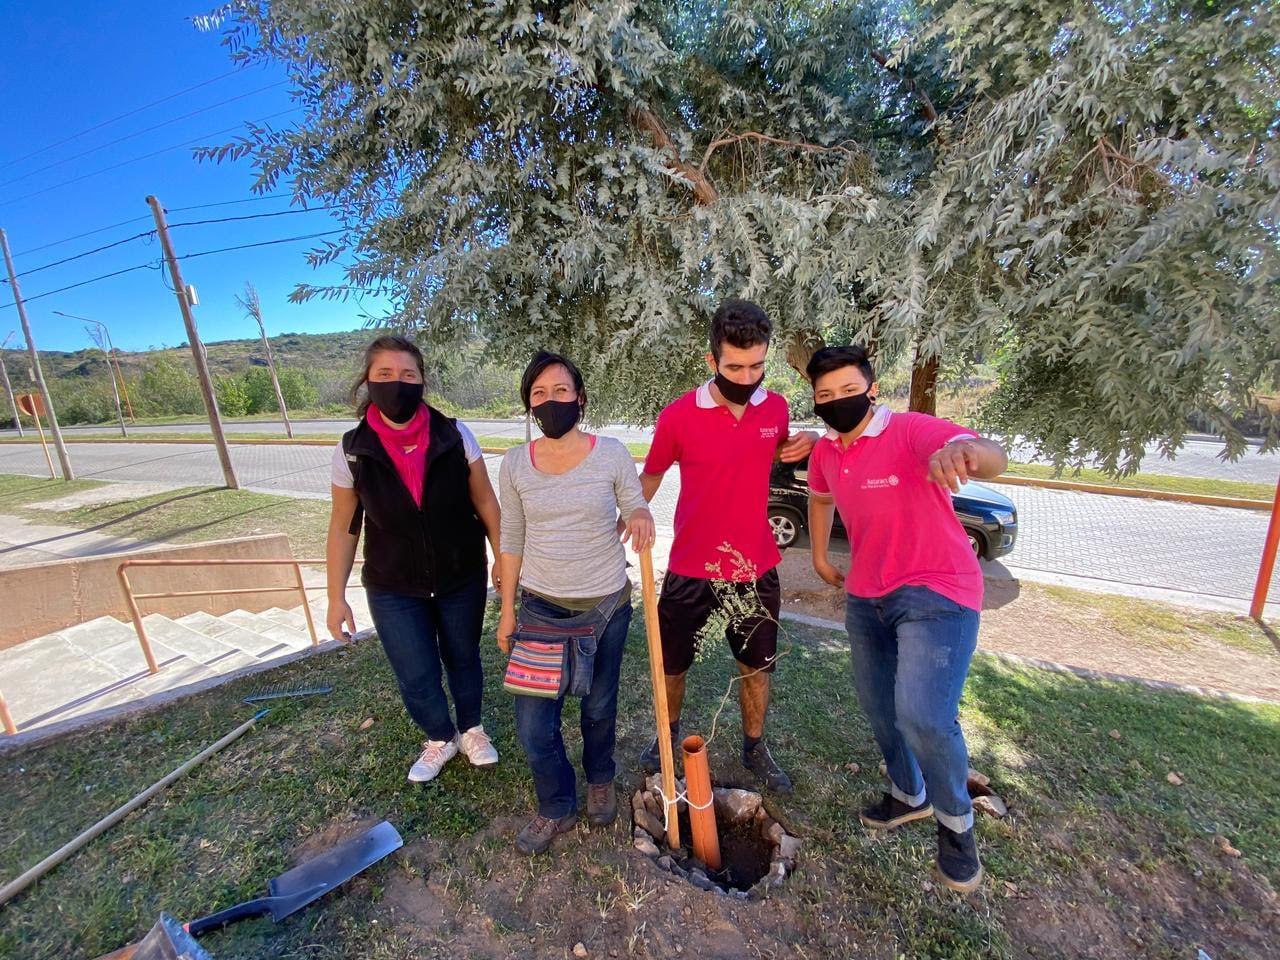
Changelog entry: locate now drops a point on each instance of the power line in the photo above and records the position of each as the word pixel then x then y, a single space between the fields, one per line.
pixel 131 136
pixel 186 256
pixel 224 203
pixel 251 216
pixel 147 156
pixel 79 236
pixel 107 123
pixel 87 253
pixel 125 223
pixel 264 243
pixel 82 283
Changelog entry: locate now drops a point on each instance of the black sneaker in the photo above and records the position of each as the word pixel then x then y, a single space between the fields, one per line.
pixel 957 862
pixel 889 812
pixel 760 762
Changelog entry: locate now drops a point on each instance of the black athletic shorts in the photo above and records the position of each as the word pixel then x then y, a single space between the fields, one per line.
pixel 688 602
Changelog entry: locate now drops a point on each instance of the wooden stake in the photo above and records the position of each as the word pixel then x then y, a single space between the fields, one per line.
pixel 197 348
pixel 658 675
pixel 63 457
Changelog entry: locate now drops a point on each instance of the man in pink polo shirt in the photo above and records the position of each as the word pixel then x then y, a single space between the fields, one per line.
pixel 725 435
pixel 914 590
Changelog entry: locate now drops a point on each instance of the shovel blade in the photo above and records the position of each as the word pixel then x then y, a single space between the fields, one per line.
pixel 311 880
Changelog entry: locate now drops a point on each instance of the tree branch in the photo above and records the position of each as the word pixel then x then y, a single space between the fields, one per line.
pixel 926 105
pixel 725 141
pixel 704 191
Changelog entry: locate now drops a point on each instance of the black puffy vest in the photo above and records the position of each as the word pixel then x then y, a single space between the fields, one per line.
pixel 411 550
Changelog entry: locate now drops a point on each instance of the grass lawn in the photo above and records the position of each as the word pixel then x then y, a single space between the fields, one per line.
pixel 1101 854
pixel 188 515
pixel 1150 481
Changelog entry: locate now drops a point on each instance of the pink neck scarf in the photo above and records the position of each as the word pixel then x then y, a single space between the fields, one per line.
pixel 407 448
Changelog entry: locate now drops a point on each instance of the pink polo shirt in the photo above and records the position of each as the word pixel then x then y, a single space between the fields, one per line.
pixel 903 530
pixel 721 527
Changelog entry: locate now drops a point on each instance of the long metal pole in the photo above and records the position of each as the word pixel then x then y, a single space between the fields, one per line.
pixel 197 348
pixel 63 458
pixel 15 887
pixel 8 388
pixel 1268 563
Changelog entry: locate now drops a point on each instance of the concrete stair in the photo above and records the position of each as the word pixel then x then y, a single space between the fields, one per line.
pixel 99 664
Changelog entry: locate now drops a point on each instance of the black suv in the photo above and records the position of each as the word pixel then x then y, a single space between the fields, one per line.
pixel 989 518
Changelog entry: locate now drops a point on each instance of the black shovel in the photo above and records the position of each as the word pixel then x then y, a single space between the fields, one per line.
pixel 293 890
pixel 289 892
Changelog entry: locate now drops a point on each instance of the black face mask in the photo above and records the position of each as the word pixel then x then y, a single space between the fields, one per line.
pixel 736 393
pixel 556 417
pixel 844 413
pixel 397 399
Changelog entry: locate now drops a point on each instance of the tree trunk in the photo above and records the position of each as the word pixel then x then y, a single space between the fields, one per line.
pixel 800 348
pixel 924 382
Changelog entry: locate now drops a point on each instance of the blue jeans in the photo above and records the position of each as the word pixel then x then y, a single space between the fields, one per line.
pixel 420 635
pixel 538 718
pixel 911 650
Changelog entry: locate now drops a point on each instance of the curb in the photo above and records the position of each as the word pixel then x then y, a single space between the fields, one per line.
pixel 1140 493
pixel 1084 673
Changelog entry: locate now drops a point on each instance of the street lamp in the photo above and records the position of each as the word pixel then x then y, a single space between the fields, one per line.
pixel 111 357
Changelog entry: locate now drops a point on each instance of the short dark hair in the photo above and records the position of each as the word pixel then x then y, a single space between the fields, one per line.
pixel 543 359
pixel 833 358
pixel 739 323
pixel 387 343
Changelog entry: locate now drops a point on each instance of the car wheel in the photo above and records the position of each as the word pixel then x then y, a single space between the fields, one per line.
pixel 975 543
pixel 785 525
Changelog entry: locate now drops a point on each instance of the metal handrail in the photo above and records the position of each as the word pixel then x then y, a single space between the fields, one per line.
pixel 131 598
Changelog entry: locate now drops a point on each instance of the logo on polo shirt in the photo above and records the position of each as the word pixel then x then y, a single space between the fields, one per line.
pixel 768 433
pixel 877 483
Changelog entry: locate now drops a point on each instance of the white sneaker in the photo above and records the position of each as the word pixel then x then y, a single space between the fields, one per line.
pixel 435 754
pixel 478 748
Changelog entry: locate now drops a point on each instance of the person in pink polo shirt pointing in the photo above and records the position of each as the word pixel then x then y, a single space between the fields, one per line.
pixel 914 590
pixel 725 435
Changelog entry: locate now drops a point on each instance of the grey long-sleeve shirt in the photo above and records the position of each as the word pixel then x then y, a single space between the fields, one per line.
pixel 565 525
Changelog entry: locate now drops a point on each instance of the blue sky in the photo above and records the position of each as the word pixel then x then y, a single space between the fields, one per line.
pixel 69 67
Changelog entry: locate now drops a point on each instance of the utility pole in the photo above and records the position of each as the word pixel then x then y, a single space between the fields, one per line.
pixel 4 374
pixel 253 307
pixel 112 357
pixel 197 348
pixel 63 458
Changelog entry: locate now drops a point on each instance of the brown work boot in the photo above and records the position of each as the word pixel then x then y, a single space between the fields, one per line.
pixel 602 804
pixel 540 831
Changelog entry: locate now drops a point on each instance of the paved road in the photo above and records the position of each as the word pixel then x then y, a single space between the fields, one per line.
pixel 1197 458
pixel 1207 551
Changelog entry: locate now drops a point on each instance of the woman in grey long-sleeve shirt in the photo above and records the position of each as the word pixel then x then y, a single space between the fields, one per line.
pixel 561 498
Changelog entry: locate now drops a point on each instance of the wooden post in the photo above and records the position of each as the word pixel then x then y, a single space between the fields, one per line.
pixel 197 348
pixel 63 457
pixel 658 675
pixel 8 388
pixel 1268 564
pixel 7 718
pixel 28 403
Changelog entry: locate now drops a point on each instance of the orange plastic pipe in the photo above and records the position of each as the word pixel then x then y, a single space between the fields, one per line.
pixel 702 814
pixel 1268 560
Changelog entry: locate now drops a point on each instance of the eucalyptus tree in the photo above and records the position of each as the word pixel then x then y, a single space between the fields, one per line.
pixel 1084 192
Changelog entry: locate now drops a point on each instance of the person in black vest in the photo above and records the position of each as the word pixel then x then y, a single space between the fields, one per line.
pixel 418 481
